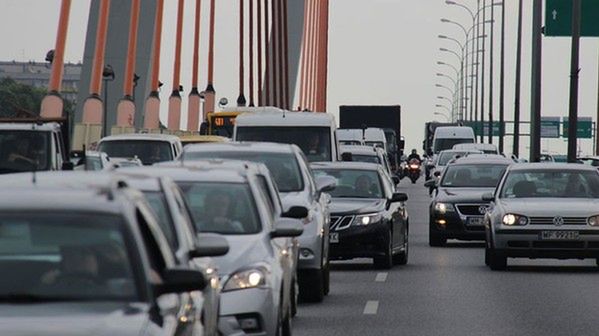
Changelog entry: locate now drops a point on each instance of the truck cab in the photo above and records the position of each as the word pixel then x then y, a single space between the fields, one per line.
pixel 30 145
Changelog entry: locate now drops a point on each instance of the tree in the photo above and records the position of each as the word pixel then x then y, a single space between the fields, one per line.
pixel 21 99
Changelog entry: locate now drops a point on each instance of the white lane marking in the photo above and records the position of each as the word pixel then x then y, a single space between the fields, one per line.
pixel 371 308
pixel 381 277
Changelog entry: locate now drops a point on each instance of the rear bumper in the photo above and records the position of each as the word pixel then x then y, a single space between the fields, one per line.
pixel 455 227
pixel 526 243
pixel 360 242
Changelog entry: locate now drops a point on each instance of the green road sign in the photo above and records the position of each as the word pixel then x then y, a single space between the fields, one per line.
pixel 477 127
pixel 550 127
pixel 558 18
pixel 585 128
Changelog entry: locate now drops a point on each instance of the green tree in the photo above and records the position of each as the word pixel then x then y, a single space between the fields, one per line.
pixel 16 98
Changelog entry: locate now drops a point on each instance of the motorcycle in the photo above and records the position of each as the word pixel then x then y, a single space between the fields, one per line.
pixel 414 170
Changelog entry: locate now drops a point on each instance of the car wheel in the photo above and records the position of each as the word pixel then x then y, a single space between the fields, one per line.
pixel 597 261
pixel 327 279
pixel 402 257
pixel 386 261
pixel 435 239
pixel 294 297
pixel 312 286
pixel 497 261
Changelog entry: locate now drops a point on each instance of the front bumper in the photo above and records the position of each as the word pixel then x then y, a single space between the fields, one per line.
pixel 456 226
pixel 527 243
pixel 248 312
pixel 310 247
pixel 360 242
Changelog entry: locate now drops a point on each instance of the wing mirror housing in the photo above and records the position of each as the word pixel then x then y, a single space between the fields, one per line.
pixel 209 245
pixel 326 183
pixel 297 212
pixel 180 280
pixel 430 184
pixel 437 173
pixel 396 179
pixel 488 197
pixel 287 228
pixel 399 197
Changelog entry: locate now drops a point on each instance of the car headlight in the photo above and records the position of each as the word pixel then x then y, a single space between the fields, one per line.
pixel 593 221
pixel 443 208
pixel 512 219
pixel 367 219
pixel 248 278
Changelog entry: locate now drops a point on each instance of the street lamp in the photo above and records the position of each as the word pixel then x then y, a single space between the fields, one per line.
pixel 442 115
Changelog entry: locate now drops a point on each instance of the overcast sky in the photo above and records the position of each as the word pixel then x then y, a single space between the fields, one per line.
pixel 381 52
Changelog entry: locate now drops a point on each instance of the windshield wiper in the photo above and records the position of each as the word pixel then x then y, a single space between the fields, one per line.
pixel 34 298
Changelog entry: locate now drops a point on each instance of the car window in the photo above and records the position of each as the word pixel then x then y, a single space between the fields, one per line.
pixel 366 158
pixel 225 208
pixel 22 151
pixel 472 175
pixel 265 191
pixel 78 256
pixel 148 151
pixel 159 205
pixel 354 183
pixel 184 209
pixel 551 183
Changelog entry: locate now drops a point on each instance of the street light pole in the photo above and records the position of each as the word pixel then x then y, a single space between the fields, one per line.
pixel 536 76
pixel 482 80
pixel 502 81
pixel 574 64
pixel 491 78
pixel 518 84
pixel 477 65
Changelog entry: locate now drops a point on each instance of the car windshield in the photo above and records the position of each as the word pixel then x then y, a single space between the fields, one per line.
pixel 315 142
pixel 350 142
pixel 551 183
pixel 148 151
pixel 22 151
pixel 378 144
pixel 366 158
pixel 354 183
pixel 159 205
pixel 225 208
pixel 448 143
pixel 64 257
pixel 283 166
pixel 445 157
pixel 473 175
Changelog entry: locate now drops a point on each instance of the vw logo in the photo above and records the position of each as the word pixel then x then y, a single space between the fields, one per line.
pixel 483 209
pixel 558 220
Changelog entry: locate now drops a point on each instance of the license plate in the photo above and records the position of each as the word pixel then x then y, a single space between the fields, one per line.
pixel 334 237
pixel 475 221
pixel 560 235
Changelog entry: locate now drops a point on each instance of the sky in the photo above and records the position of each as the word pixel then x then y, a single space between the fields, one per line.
pixel 380 52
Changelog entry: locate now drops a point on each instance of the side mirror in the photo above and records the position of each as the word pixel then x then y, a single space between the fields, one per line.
pixel 488 197
pixel 68 165
pixel 437 173
pixel 180 280
pixel 399 197
pixel 326 183
pixel 297 212
pixel 430 184
pixel 396 179
pixel 287 227
pixel 209 245
pixel 347 157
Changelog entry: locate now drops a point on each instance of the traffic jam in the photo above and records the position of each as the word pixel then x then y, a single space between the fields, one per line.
pixel 211 235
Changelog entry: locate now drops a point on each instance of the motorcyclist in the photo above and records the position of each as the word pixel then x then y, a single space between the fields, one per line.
pixel 414 155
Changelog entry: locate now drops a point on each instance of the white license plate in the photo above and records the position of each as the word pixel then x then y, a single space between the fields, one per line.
pixel 560 235
pixel 475 221
pixel 334 237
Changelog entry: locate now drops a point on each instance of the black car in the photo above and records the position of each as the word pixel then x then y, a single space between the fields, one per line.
pixel 368 218
pixel 91 262
pixel 457 209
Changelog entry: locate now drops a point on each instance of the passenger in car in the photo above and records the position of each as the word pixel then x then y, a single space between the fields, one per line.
pixel 217 214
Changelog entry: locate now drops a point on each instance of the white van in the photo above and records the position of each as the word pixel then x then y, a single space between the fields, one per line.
pixel 448 136
pixel 485 148
pixel 350 137
pixel 375 137
pixel 149 148
pixel 313 132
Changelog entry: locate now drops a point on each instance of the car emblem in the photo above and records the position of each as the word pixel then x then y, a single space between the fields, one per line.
pixel 558 220
pixel 483 209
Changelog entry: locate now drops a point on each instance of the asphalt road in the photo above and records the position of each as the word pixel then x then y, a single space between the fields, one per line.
pixel 449 291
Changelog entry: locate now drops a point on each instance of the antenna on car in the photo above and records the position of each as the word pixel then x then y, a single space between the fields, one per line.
pixel 34 173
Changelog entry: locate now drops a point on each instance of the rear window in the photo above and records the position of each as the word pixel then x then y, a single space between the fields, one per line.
pixel 148 151
pixel 448 143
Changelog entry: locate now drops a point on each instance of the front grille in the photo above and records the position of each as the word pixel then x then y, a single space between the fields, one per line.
pixel 339 223
pixel 470 209
pixel 549 221
pixel 517 244
pixel 558 244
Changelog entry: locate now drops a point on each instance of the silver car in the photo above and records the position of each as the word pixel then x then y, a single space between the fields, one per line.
pixel 546 210
pixel 297 186
pixel 227 198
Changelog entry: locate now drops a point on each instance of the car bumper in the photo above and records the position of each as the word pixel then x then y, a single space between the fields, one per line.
pixel 360 242
pixel 526 243
pixel 248 307
pixel 455 226
pixel 310 248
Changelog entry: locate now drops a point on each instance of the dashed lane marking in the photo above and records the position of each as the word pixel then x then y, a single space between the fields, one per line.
pixel 371 308
pixel 381 277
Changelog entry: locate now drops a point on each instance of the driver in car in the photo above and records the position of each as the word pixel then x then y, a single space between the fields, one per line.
pixel 362 186
pixel 217 206
pixel 22 152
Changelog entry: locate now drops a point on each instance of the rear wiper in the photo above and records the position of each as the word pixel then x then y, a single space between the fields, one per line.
pixel 33 298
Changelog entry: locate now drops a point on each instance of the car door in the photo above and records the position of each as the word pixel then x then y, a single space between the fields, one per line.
pixel 393 212
pixel 179 315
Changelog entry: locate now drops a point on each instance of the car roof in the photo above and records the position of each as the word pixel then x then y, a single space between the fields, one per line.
pixel 204 138
pixel 30 126
pixel 256 109
pixel 469 151
pixel 142 136
pixel 361 150
pixel 482 159
pixel 283 119
pixel 346 165
pixel 475 146
pixel 551 166
pixel 31 198
pixel 269 147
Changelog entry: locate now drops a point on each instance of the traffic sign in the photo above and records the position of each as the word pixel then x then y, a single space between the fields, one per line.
pixel 585 128
pixel 550 127
pixel 558 18
pixel 478 128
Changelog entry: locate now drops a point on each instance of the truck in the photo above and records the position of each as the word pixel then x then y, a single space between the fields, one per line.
pixel 429 135
pixel 387 117
pixel 34 144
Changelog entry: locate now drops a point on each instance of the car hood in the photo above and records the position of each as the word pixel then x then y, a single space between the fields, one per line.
pixel 244 250
pixel 457 195
pixel 342 206
pixel 298 198
pixel 550 207
pixel 70 319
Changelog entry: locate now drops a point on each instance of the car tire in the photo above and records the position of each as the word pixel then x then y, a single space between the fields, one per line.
pixel 435 239
pixel 287 329
pixel 327 279
pixel 497 261
pixel 402 257
pixel 312 286
pixel 294 297
pixel 597 261
pixel 385 261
